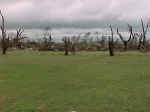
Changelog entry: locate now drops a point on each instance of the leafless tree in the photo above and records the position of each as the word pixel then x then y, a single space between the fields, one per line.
pixel 142 36
pixel 74 41
pixel 46 40
pixel 47 33
pixel 125 42
pixel 5 39
pixel 139 36
pixel 67 42
pixel 72 47
pixel 111 42
pixel 47 37
pixel 19 37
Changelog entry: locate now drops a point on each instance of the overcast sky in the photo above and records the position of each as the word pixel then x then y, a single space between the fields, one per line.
pixel 75 13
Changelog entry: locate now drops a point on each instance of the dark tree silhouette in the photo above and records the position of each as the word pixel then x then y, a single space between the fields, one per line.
pixel 5 40
pixel 142 37
pixel 125 42
pixel 66 45
pixel 111 42
pixel 19 37
pixel 47 40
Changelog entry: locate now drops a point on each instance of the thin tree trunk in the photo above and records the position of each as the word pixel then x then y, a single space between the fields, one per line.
pixel 67 45
pixel 111 43
pixel 66 51
pixel 4 40
pixel 125 42
pixel 125 45
pixel 111 50
pixel 4 51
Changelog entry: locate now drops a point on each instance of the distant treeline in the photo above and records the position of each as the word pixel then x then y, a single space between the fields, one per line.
pixel 83 41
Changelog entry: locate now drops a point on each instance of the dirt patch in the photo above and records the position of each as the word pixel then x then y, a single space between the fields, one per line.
pixel 2 98
pixel 147 78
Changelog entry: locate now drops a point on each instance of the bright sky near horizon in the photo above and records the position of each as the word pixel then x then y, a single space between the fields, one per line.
pixel 74 11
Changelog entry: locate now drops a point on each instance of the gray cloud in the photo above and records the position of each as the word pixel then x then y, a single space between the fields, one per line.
pixel 92 13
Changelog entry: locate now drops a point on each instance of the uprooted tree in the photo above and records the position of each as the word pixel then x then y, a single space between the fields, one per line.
pixel 5 39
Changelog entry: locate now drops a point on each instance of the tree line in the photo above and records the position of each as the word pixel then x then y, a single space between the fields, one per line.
pixel 72 44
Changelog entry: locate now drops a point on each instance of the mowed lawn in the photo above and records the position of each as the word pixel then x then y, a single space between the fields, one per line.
pixel 32 81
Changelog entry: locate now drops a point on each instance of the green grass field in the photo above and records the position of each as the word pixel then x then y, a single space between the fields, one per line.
pixel 32 81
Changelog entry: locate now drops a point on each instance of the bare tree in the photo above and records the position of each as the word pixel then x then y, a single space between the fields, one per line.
pixel 125 42
pixel 74 43
pixel 46 40
pixel 141 36
pixel 67 42
pixel 47 33
pixel 19 37
pixel 72 47
pixel 144 32
pixel 111 42
pixel 5 39
pixel 131 31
